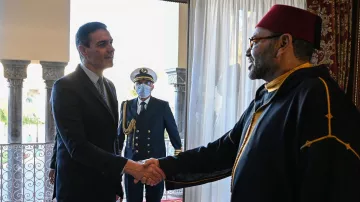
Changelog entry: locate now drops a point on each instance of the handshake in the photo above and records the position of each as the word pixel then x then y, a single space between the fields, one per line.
pixel 148 172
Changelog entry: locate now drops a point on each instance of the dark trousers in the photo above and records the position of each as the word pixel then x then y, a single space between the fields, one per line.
pixel 134 192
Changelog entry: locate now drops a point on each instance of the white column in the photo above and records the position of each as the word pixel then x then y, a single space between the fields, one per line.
pixel 51 72
pixel 177 78
pixel 15 72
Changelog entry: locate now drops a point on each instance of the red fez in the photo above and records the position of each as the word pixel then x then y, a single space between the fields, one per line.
pixel 301 24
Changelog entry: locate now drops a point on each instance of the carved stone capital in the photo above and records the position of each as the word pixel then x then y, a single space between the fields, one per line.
pixel 15 83
pixel 53 70
pixel 176 76
pixel 15 69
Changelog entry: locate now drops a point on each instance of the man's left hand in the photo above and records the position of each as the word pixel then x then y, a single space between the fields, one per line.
pixel 52 176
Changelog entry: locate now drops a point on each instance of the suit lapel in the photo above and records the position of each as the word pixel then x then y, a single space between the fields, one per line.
pixel 90 85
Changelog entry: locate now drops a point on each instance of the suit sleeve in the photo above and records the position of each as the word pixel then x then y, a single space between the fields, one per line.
pixel 68 118
pixel 203 164
pixel 121 135
pixel 328 165
pixel 172 129
pixel 53 157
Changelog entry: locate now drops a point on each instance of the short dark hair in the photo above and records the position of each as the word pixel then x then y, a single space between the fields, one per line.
pixel 82 35
pixel 303 50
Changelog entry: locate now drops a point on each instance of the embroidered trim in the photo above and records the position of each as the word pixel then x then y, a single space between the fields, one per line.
pixel 239 153
pixel 255 117
pixel 177 152
pixel 276 83
pixel 143 77
pixel 330 135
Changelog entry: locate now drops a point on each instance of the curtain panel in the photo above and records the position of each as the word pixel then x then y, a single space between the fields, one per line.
pixel 336 37
pixel 219 89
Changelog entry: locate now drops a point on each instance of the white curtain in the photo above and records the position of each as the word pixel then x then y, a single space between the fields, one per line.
pixel 219 87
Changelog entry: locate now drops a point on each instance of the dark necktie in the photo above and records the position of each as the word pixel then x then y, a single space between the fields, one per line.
pixel 100 87
pixel 142 109
pixel 100 83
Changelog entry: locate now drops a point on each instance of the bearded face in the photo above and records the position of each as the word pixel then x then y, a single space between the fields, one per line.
pixel 261 55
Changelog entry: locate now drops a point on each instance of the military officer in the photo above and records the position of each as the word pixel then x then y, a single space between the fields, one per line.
pixel 143 121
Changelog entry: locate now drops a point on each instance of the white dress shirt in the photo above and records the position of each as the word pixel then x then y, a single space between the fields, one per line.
pixel 94 79
pixel 139 104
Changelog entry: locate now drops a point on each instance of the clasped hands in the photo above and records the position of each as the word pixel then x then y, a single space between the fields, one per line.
pixel 148 172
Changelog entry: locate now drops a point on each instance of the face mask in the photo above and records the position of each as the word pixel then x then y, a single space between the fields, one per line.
pixel 143 90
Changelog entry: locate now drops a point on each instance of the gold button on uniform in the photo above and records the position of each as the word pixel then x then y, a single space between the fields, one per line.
pixel 137 151
pixel 136 137
pixel 137 131
pixel 136 144
pixel 148 145
pixel 148 138
pixel 149 131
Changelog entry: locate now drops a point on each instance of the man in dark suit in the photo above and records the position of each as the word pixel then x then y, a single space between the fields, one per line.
pixel 85 110
pixel 143 121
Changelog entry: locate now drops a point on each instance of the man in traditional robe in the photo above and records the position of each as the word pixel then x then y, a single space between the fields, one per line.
pixel 299 140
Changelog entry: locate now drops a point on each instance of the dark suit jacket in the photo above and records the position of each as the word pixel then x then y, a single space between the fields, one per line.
pixel 87 167
pixel 53 157
pixel 148 139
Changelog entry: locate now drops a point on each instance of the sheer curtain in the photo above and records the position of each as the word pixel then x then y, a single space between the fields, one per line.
pixel 219 87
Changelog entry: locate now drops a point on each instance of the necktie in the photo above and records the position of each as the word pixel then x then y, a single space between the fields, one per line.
pixel 142 109
pixel 100 85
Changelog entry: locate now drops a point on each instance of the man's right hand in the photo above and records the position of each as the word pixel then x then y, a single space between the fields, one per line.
pixel 147 163
pixel 152 161
pixel 146 173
